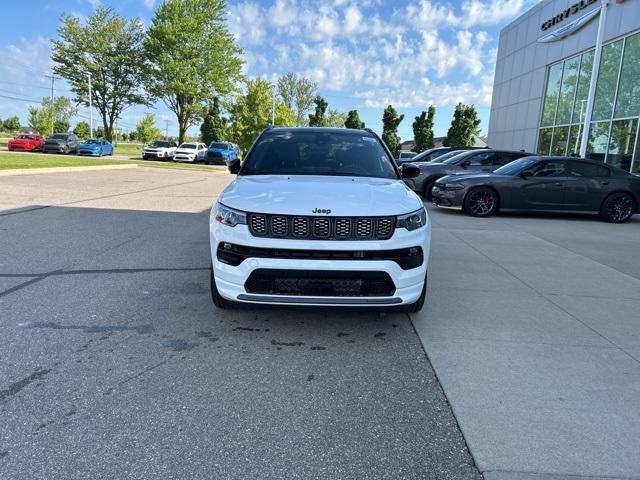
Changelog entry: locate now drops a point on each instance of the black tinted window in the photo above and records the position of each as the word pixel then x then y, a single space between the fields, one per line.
pixel 552 168
pixel 583 169
pixel 484 158
pixel 503 158
pixel 318 153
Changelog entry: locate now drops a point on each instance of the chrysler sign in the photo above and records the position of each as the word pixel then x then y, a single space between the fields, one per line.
pixel 570 28
pixel 563 15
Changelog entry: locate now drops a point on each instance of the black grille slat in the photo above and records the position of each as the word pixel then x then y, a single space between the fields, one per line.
pixel 320 283
pixel 279 226
pixel 321 228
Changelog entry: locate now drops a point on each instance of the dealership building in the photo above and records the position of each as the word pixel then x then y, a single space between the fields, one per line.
pixel 545 91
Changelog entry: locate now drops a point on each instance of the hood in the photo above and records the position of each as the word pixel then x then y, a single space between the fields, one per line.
pixel 55 140
pixel 301 194
pixel 221 150
pixel 185 150
pixel 89 145
pixel 461 177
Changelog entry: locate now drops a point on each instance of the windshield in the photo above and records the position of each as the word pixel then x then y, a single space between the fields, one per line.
pixel 318 153
pixel 407 155
pixel 25 137
pixel 160 144
pixel 450 158
pixel 93 141
pixel 219 146
pixel 189 146
pixel 59 136
pixel 515 167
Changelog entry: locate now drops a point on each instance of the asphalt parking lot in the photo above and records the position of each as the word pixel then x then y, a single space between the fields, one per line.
pixel 116 365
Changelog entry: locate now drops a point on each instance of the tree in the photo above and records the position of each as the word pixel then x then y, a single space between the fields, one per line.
pixel 193 56
pixel 82 130
pixel 297 93
pixel 423 130
pixel 214 125
pixel 334 119
pixel 316 119
pixel 146 129
pixel 353 120
pixel 390 123
pixel 251 113
pixel 465 126
pixel 11 124
pixel 43 119
pixel 109 47
pixel 61 126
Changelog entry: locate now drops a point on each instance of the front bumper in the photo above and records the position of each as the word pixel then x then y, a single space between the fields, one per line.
pixel 232 280
pixel 148 154
pixel 181 157
pixel 55 148
pixel 447 198
pixel 90 153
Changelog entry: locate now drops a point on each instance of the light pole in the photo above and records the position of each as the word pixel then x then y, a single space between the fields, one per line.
pixel 90 108
pixel 594 78
pixel 53 79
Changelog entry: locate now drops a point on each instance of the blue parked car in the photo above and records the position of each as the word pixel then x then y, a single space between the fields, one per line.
pixel 221 153
pixel 95 147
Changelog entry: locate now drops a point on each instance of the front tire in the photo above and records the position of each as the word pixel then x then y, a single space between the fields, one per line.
pixel 481 202
pixel 416 306
pixel 617 208
pixel 218 300
pixel 426 194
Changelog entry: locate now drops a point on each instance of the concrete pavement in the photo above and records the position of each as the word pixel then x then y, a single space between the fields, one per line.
pixel 116 364
pixel 532 324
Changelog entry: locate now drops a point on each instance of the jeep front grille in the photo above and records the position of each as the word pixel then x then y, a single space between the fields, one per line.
pixel 321 228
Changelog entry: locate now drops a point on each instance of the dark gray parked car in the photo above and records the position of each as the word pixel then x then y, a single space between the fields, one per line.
pixel 433 154
pixel 61 143
pixel 472 161
pixel 564 184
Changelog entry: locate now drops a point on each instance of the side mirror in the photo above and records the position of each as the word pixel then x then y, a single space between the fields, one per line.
pixel 525 174
pixel 408 170
pixel 465 164
pixel 234 166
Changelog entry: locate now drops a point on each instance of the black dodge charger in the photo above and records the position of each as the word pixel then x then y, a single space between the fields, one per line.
pixel 544 184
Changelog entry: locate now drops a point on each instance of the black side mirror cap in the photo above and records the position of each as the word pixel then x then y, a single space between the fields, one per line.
pixel 234 166
pixel 525 174
pixel 409 170
pixel 465 164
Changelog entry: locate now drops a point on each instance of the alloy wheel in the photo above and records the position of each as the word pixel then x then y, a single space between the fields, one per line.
pixel 620 208
pixel 482 202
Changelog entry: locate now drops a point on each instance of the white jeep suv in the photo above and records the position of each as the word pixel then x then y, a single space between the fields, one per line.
pixel 319 216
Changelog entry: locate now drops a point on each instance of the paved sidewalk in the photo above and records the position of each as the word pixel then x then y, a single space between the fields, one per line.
pixel 532 324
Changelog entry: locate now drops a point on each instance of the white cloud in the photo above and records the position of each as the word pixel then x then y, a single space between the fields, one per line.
pixel 246 23
pixel 430 14
pixel 149 3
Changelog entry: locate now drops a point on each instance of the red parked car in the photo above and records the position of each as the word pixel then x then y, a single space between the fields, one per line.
pixel 26 142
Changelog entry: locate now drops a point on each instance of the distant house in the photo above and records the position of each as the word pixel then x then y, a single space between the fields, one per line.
pixel 410 144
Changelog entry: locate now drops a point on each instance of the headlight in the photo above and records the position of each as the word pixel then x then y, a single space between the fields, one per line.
pixel 413 220
pixel 229 216
pixel 453 186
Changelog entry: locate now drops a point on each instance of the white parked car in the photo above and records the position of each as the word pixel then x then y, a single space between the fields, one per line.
pixel 319 216
pixel 191 152
pixel 160 149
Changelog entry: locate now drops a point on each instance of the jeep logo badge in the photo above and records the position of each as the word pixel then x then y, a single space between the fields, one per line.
pixel 326 211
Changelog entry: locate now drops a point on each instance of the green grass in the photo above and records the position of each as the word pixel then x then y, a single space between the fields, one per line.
pixel 10 161
pixel 128 149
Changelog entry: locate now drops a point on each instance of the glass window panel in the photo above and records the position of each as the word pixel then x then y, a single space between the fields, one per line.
pixel 554 78
pixel 636 162
pixel 544 141
pixel 607 81
pixel 622 143
pixel 568 90
pixel 628 102
pixel 582 90
pixel 575 140
pixel 559 143
pixel 598 140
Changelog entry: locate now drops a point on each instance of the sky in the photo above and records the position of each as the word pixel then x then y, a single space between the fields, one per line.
pixel 363 54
